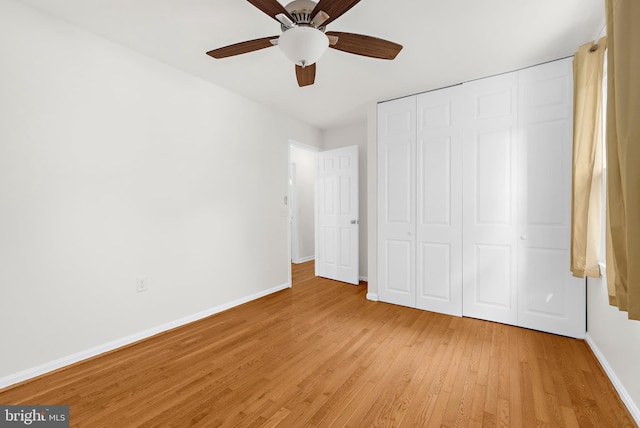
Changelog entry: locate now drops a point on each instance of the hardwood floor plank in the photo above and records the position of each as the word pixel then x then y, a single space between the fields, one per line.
pixel 491 399
pixel 528 409
pixel 319 355
pixel 515 382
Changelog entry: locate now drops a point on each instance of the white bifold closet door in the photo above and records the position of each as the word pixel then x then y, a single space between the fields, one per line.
pixel 439 201
pixel 517 201
pixel 396 201
pixel 549 297
pixel 490 191
pixel 420 202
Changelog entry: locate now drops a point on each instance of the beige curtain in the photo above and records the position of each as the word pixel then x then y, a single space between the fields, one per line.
pixel 623 155
pixel 586 206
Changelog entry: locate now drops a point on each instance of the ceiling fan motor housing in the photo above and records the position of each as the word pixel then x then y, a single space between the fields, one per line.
pixel 300 11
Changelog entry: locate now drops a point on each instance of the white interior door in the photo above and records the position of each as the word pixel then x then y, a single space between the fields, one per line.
pixel 439 201
pixel 338 219
pixel 396 201
pixel 490 199
pixel 549 297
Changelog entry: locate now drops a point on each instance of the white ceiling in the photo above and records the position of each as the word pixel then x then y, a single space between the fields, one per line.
pixel 445 42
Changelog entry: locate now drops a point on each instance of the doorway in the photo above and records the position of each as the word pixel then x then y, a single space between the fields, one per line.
pixel 323 210
pixel 302 200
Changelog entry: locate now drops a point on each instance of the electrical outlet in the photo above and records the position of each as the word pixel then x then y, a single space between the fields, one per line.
pixel 142 284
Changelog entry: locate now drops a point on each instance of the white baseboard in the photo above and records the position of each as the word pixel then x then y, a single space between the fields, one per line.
pixel 364 278
pixel 303 259
pixel 373 297
pixel 118 343
pixel 624 395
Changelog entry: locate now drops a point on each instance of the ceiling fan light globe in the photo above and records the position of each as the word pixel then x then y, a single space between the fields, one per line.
pixel 303 45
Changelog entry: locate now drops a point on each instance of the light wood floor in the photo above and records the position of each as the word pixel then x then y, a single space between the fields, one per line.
pixel 320 355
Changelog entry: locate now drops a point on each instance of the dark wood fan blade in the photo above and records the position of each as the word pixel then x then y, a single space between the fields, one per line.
pixel 334 8
pixel 360 44
pixel 242 47
pixel 306 75
pixel 270 7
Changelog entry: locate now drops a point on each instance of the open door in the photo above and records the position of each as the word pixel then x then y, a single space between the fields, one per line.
pixel 337 233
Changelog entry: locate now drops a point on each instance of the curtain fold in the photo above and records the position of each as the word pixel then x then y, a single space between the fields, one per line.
pixel 623 155
pixel 586 206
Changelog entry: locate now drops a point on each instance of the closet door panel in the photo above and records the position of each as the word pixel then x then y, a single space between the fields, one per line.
pixel 396 201
pixel 435 274
pixel 550 299
pixel 439 201
pixel 435 179
pixel 490 199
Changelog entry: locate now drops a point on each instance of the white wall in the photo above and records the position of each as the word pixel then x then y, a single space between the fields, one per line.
pixel 349 136
pixel 372 199
pixel 113 165
pixel 305 161
pixel 616 342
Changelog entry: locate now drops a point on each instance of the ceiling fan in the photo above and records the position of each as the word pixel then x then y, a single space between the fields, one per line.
pixel 304 37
